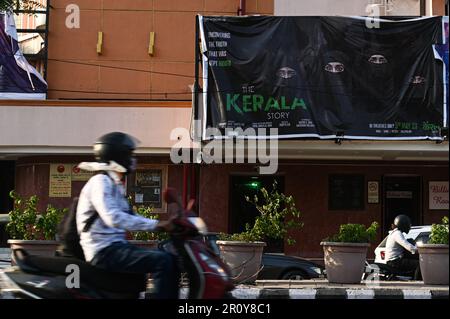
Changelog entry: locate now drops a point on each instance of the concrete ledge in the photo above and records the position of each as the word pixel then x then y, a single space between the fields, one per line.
pixel 333 293
pixel 367 284
pixel 322 289
pixel 439 294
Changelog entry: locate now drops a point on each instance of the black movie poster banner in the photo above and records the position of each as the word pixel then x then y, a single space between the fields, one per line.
pixel 324 77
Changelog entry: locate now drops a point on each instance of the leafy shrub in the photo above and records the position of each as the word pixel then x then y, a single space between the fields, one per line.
pixel 247 236
pixel 439 232
pixel 355 233
pixel 147 212
pixel 27 223
pixel 277 215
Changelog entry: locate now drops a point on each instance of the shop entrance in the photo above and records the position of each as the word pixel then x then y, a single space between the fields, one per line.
pixel 402 195
pixel 241 211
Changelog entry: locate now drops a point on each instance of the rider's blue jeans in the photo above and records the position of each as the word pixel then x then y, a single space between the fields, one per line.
pixel 125 257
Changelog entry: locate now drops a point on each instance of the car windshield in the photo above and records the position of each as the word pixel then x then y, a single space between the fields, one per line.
pixel 383 243
pixel 422 237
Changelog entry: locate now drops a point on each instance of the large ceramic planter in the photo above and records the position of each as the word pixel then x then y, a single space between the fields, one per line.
pixel 148 244
pixel 344 262
pixel 434 264
pixel 34 247
pixel 243 259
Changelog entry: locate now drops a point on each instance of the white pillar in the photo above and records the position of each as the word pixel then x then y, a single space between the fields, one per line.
pixel 428 7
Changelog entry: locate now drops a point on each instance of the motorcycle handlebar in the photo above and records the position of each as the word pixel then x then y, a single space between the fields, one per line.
pixel 171 197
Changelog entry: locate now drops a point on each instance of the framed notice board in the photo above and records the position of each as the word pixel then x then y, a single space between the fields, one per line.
pixel 147 185
pixel 346 192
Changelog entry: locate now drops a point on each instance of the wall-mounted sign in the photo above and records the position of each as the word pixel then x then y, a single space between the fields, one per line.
pixel 438 195
pixel 139 198
pixel 148 183
pixel 60 182
pixel 399 194
pixel 372 192
pixel 79 175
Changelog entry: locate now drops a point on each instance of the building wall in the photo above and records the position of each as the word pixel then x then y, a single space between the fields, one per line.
pixel 71 127
pixel 32 176
pixel 126 27
pixel 74 70
pixel 308 183
pixel 358 7
pixel 343 7
pixel 438 7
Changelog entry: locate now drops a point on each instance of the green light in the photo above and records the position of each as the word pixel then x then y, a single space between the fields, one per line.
pixel 254 184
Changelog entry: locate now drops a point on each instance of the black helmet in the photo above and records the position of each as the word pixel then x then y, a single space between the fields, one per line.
pixel 403 223
pixel 116 146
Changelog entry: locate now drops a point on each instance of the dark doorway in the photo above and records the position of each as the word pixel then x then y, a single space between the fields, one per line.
pixel 7 169
pixel 402 195
pixel 243 212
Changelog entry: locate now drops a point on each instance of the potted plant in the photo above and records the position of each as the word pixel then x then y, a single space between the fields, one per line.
pixel 146 239
pixel 242 252
pixel 345 253
pixel 433 256
pixel 30 229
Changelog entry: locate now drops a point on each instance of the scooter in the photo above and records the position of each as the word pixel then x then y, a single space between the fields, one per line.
pixel 383 272
pixel 39 277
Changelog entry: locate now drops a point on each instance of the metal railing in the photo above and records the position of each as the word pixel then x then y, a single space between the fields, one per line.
pixel 42 55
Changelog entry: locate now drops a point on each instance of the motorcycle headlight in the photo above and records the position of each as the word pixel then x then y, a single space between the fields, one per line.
pixel 317 270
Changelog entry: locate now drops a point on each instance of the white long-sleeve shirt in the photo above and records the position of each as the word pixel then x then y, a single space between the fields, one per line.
pixel 396 244
pixel 106 195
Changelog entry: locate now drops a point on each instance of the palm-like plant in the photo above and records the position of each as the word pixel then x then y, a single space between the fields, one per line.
pixel 6 5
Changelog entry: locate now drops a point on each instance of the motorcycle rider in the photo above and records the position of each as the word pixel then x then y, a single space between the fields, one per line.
pixel 400 253
pixel 104 244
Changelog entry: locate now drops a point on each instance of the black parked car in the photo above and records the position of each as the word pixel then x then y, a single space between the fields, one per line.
pixel 277 266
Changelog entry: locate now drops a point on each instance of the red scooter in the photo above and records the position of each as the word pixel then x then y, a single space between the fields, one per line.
pixel 209 277
pixel 39 277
